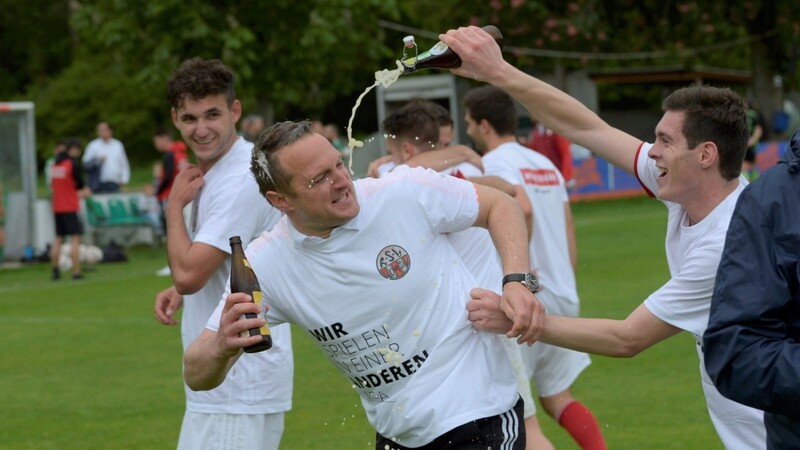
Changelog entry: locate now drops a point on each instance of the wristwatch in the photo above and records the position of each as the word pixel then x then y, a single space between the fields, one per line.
pixel 528 279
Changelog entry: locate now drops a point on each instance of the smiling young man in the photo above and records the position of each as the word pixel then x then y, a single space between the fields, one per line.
pixel 247 411
pixel 693 167
pixel 366 268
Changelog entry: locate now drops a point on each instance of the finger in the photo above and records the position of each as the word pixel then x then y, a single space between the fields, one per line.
pixel 233 299
pixel 478 293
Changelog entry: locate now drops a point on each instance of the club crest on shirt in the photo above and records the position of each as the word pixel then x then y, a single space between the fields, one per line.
pixel 393 262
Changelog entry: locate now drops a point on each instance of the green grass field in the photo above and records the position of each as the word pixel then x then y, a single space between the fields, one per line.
pixel 84 365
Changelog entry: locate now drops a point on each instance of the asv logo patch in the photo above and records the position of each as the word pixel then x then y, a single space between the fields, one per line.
pixel 393 262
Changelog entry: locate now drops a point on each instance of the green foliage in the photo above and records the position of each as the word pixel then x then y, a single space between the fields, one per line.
pixel 109 59
pixel 89 360
pixel 34 44
pixel 282 51
pixel 88 92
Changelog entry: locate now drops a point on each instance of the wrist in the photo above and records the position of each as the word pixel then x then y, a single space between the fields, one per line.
pixel 527 279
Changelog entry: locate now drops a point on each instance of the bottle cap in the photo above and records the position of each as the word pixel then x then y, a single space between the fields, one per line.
pixel 409 41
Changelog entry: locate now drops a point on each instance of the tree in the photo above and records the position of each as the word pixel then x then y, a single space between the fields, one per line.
pixel 760 36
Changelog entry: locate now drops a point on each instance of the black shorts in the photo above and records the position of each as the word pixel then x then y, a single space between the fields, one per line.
pixel 68 224
pixel 500 432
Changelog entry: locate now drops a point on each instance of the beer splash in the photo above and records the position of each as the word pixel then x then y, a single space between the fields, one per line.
pixel 383 77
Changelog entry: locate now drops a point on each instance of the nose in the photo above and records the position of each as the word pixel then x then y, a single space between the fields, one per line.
pixel 201 128
pixel 339 177
pixel 654 152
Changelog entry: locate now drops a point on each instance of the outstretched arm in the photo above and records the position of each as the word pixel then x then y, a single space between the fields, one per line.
pixel 482 60
pixel 618 338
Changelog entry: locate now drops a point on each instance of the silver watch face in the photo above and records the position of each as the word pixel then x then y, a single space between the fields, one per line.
pixel 531 282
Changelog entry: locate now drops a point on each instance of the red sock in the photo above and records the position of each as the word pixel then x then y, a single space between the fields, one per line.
pixel 582 426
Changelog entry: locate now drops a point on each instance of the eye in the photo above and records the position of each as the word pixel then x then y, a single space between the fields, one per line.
pixel 314 182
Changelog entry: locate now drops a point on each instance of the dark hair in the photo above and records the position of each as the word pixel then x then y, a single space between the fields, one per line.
pixel 412 122
pixel 495 106
pixel 162 132
pixel 198 78
pixel 264 164
pixel 71 142
pixel 713 114
pixel 439 112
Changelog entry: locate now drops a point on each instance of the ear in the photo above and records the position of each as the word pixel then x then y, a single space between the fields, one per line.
pixel 708 155
pixel 485 127
pixel 236 110
pixel 279 201
pixel 408 150
pixel 174 113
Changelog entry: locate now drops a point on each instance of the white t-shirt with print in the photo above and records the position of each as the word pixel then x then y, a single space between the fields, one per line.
pixel 693 254
pixel 384 297
pixel 229 204
pixel 549 248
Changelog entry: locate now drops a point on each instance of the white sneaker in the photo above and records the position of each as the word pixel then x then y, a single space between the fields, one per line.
pixel 164 272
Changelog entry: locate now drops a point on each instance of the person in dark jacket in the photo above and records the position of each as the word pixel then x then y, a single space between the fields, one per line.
pixel 752 343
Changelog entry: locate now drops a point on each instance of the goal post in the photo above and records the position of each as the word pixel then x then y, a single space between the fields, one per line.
pixel 17 178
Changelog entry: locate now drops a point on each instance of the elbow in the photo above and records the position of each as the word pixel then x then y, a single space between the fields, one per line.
pixel 184 283
pixel 197 385
pixel 628 349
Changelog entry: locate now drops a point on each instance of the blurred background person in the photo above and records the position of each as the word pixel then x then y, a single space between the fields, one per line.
pixel 106 162
pixel 68 186
pixel 252 126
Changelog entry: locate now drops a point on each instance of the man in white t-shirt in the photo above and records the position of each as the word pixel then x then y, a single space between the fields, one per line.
pixel 247 410
pixel 540 189
pixel 106 162
pixel 694 168
pixel 366 268
pixel 491 118
pixel 410 132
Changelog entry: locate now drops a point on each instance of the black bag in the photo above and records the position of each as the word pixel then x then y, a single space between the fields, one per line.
pixel 114 253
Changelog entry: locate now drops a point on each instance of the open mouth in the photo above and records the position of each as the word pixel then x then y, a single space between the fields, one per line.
pixel 342 197
pixel 661 172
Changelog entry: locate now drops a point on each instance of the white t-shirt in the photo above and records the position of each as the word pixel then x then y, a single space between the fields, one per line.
pixel 693 254
pixel 230 204
pixel 385 298
pixel 549 249
pixel 115 166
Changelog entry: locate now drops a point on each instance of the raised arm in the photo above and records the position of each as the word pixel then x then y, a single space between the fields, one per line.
pixel 191 263
pixel 482 60
pixel 501 215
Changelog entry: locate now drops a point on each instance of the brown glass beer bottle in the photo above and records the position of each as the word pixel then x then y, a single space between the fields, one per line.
pixel 243 279
pixel 440 56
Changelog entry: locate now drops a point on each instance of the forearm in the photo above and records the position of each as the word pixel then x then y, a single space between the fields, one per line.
pixel 178 245
pixel 567 116
pixel 205 367
pixel 497 183
pixel 509 232
pixel 596 336
pixel 445 158
pixel 552 107
pixel 618 338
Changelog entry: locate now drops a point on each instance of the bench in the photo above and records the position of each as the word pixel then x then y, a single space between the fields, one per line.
pixel 116 217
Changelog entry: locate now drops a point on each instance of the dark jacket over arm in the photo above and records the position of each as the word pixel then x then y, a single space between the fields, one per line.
pixel 752 344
